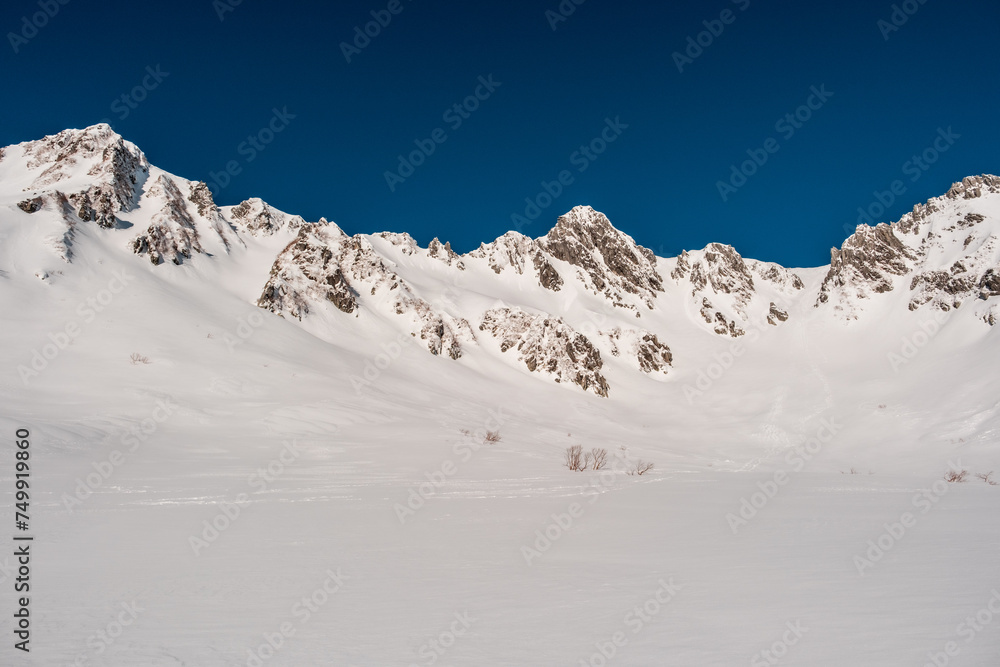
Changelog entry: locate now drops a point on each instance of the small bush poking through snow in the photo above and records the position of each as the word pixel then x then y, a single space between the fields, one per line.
pixel 641 468
pixel 956 476
pixel 492 437
pixel 137 359
pixel 985 476
pixel 575 460
pixel 598 458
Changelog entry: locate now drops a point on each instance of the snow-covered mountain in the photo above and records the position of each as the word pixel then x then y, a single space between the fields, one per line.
pixel 583 309
pixel 560 306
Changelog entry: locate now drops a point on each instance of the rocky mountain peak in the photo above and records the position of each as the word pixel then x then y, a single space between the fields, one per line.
pixel 259 219
pixel 608 261
pixel 729 291
pixel 946 247
pixel 972 187
pixel 95 168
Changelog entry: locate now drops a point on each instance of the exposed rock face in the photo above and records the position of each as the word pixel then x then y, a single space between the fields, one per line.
pixel 305 272
pixel 547 345
pixel 514 251
pixel 727 288
pixel 783 279
pixel 32 205
pixel 865 265
pixel 989 284
pixel 444 253
pixel 324 264
pixel 941 251
pixel 172 234
pixel 257 218
pixel 201 197
pixel 651 355
pixel 609 262
pixel 118 170
pixel 775 315
pixel 548 277
pixel 407 244
pixel 972 187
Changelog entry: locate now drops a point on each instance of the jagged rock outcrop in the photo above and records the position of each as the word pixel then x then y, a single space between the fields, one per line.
pixel 775 315
pixel 644 347
pixel 443 252
pixel 942 251
pixel 547 345
pixel 117 170
pixel 172 234
pixel 306 272
pixel 730 291
pixel 324 264
pixel 866 264
pixel 32 205
pixel 608 261
pixel 259 219
pixel 973 187
pixel 514 251
pixel 406 244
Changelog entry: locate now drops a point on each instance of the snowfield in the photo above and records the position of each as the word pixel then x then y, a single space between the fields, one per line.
pixel 218 483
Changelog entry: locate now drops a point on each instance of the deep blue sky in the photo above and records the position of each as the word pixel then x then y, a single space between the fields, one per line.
pixel 657 181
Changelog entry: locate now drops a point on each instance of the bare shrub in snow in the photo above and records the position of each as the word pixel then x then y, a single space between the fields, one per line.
pixel 598 458
pixel 956 476
pixel 492 437
pixel 137 359
pixel 575 460
pixel 641 468
pixel 985 476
